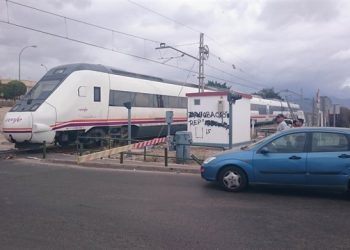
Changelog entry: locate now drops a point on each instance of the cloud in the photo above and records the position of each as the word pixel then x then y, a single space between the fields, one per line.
pixel 341 55
pixel 279 13
pixel 282 44
pixel 346 84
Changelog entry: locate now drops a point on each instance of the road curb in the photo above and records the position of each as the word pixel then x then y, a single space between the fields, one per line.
pixel 125 166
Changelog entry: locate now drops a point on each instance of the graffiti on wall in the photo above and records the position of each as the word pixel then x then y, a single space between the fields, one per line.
pixel 212 123
pixel 208 114
pixel 209 119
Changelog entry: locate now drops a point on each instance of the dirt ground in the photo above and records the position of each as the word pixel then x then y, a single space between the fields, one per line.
pixel 156 154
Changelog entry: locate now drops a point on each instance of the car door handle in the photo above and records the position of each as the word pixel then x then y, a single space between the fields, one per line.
pixel 294 157
pixel 344 156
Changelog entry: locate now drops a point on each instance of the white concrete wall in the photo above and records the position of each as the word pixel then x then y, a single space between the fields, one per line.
pixel 211 126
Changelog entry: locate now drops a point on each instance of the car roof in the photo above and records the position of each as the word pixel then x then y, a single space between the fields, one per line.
pixel 317 129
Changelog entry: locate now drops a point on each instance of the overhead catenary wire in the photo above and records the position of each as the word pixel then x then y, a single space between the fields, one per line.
pixel 129 54
pixel 187 77
pixel 233 82
pixel 106 48
pixel 230 63
pixel 165 17
pixel 84 22
pixel 197 31
pixel 186 44
pixel 232 75
pixel 96 46
pixel 221 46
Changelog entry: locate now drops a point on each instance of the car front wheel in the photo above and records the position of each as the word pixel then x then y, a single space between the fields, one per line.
pixel 232 179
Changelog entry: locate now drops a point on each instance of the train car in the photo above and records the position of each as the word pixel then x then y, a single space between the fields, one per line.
pixel 263 111
pixel 89 99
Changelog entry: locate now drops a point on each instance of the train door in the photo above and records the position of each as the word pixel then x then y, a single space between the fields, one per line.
pixel 93 98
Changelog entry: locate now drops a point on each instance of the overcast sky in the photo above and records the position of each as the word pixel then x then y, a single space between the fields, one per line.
pixel 285 44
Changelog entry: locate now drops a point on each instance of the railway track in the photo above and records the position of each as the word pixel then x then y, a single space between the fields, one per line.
pixel 72 149
pixel 37 150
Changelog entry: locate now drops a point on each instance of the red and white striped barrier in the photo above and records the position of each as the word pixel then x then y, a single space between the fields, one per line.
pixel 113 151
pixel 154 141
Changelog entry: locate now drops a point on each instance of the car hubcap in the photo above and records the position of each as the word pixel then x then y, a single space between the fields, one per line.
pixel 231 180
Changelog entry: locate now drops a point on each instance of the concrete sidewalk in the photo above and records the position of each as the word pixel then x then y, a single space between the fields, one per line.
pixel 111 163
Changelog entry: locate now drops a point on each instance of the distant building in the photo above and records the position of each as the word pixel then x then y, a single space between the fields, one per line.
pixel 326 106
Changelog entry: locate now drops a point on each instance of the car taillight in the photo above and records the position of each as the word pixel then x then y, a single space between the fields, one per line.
pixel 202 169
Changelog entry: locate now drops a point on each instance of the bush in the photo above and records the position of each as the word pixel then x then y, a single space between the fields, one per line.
pixel 13 89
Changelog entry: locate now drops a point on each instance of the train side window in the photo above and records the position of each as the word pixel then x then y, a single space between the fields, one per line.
pixel 117 98
pixel 160 102
pixel 112 98
pixel 97 94
pixel 122 97
pixel 142 100
pixel 173 102
pixel 82 91
pixel 166 101
pixel 150 101
pixel 262 109
pixel 183 102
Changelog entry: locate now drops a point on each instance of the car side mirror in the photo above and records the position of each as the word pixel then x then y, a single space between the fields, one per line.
pixel 264 150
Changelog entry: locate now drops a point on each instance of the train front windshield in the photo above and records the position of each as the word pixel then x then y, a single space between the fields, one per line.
pixel 42 89
pixel 36 96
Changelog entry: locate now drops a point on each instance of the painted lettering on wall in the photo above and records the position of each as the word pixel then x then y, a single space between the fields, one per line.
pixel 14 119
pixel 195 122
pixel 209 119
pixel 212 123
pixel 208 114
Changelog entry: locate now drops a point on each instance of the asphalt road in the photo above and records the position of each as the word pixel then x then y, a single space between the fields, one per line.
pixel 60 207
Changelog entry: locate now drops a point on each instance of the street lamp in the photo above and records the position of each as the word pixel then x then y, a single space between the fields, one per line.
pixel 43 65
pixel 19 60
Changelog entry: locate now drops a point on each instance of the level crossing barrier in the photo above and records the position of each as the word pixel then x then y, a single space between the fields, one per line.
pixel 113 151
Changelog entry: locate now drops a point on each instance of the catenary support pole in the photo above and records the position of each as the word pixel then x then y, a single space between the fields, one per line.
pixel 230 126
pixel 333 115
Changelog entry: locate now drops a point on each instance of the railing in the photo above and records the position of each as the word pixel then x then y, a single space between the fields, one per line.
pixel 108 147
pixel 81 150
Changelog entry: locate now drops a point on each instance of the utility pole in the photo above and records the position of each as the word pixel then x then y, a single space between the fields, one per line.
pixel 202 55
pixel 317 102
pixel 201 63
pixel 128 106
pixel 19 59
pixel 231 98
pixel 333 115
pixel 302 99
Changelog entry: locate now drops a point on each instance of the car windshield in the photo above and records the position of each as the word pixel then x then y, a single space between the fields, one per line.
pixel 42 89
pixel 248 147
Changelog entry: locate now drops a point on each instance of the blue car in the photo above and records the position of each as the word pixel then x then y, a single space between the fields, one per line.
pixel 309 157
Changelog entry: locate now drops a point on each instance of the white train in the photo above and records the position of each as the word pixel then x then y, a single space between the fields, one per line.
pixel 88 99
pixel 264 110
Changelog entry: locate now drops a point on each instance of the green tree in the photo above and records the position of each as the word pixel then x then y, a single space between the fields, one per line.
pixel 268 93
pixel 1 89
pixel 217 85
pixel 13 89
